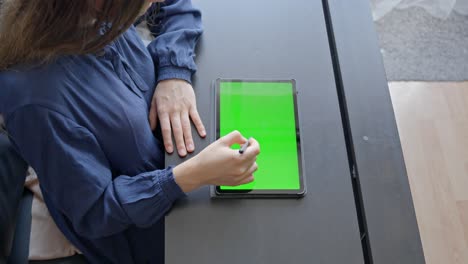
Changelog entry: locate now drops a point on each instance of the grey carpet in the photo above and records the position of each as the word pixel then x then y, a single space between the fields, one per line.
pixel 418 47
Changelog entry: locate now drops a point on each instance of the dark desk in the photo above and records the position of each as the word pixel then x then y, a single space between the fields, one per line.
pixel 365 216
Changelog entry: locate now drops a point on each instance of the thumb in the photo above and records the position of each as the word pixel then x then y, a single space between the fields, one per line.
pixel 235 137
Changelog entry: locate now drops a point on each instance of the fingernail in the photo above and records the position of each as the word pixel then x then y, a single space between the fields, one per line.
pixel 182 152
pixel 169 149
pixel 190 147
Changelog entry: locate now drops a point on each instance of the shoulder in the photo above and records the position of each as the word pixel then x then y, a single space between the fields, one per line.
pixel 40 85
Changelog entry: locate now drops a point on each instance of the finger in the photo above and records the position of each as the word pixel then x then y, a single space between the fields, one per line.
pixel 248 179
pixel 166 132
pixel 253 168
pixel 232 138
pixel 178 134
pixel 187 129
pixel 197 122
pixel 252 150
pixel 153 116
pixel 247 173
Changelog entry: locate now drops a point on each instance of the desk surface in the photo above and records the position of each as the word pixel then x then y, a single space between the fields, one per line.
pixel 265 39
pixel 269 40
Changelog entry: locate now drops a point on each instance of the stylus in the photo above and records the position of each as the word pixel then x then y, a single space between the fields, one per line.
pixel 244 147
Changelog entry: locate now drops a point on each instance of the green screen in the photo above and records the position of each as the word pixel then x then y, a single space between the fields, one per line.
pixel 264 111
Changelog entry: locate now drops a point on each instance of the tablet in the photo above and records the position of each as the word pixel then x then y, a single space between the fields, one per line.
pixel 267 111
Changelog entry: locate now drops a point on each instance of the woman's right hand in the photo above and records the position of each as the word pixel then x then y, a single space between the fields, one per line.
pixel 218 164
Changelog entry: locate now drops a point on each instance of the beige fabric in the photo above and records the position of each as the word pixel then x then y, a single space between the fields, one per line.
pixel 47 241
pixel 144 33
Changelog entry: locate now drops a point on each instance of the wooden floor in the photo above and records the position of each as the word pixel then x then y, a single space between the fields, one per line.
pixel 432 121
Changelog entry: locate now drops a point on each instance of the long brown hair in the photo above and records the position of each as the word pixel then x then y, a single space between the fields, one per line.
pixel 40 30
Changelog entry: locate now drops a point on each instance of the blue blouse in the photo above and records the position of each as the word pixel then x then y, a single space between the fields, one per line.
pixel 82 123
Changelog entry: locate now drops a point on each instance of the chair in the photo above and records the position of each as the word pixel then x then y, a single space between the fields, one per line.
pixel 15 208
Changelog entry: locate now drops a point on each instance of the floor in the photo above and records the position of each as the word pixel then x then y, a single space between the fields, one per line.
pixel 432 121
pixel 418 46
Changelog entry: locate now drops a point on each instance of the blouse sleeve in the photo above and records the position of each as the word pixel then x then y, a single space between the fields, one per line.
pixel 177 27
pixel 75 176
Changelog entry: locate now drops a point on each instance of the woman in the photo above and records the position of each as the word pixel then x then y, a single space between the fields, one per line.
pixel 81 97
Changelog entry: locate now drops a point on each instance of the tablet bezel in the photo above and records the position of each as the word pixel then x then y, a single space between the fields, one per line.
pixel 264 192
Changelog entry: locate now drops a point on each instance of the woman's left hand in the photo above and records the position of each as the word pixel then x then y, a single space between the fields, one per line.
pixel 174 104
